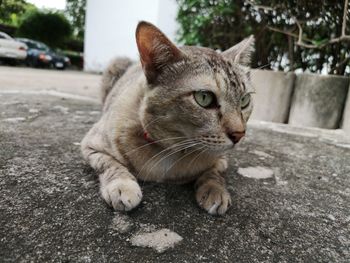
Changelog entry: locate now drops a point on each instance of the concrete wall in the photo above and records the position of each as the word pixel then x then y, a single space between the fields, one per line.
pixel 308 100
pixel 318 101
pixel 110 27
pixel 273 95
pixel 346 115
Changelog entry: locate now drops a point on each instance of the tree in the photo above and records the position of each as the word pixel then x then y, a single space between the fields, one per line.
pixel 50 27
pixel 11 10
pixel 290 34
pixel 75 10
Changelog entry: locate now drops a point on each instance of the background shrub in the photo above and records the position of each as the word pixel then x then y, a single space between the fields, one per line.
pixel 11 10
pixel 276 24
pixel 75 10
pixel 52 28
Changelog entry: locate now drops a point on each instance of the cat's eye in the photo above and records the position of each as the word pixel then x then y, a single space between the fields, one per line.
pixel 205 98
pixel 245 100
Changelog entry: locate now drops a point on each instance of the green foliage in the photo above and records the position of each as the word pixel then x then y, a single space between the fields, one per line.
pixel 11 10
pixel 219 24
pixel 74 44
pixel 50 27
pixel 75 9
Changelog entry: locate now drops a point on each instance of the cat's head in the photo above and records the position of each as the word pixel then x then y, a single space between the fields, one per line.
pixel 194 94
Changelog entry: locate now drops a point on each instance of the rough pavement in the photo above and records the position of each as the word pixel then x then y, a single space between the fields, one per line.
pixel 25 79
pixel 291 196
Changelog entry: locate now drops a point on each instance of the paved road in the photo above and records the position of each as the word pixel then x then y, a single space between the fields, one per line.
pixel 290 189
pixel 39 80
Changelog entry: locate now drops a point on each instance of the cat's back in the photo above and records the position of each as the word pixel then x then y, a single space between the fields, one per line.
pixel 124 86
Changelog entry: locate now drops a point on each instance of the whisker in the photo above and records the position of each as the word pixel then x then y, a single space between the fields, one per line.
pixel 193 160
pixel 263 66
pixel 153 121
pixel 150 143
pixel 171 153
pixel 178 160
pixel 179 144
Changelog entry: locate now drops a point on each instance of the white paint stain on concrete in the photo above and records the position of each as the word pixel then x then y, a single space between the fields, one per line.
pixel 344 145
pixel 257 172
pixel 121 223
pixel 279 181
pixel 33 110
pixel 159 240
pixel 331 217
pixel 15 119
pixel 95 112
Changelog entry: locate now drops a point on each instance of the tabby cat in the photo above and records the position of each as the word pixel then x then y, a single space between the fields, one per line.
pixel 171 118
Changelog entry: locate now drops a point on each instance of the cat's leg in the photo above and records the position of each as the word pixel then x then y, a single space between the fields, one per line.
pixel 211 191
pixel 118 186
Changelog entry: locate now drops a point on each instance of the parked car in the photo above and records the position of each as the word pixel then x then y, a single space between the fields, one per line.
pixel 12 50
pixel 40 55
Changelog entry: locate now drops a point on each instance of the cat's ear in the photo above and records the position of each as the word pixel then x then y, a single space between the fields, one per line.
pixel 156 50
pixel 241 53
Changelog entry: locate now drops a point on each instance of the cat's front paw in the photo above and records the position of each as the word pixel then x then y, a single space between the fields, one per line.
pixel 122 194
pixel 214 198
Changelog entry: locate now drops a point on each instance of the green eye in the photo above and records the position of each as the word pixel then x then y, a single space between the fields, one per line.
pixel 205 98
pixel 245 100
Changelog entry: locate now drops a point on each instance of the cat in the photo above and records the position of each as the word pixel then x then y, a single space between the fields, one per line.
pixel 170 118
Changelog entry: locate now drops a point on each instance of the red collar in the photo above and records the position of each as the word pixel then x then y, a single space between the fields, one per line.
pixel 147 137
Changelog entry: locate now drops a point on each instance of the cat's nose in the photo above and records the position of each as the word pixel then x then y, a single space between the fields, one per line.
pixel 235 137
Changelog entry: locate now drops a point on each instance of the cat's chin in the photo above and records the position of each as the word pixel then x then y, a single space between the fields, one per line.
pixel 221 149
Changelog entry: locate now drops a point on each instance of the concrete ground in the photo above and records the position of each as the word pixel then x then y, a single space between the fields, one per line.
pixel 23 79
pixel 290 189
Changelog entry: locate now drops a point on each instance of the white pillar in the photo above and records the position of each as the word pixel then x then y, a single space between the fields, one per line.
pixel 110 27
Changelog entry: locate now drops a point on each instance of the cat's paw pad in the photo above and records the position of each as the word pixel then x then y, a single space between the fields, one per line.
pixel 122 194
pixel 213 198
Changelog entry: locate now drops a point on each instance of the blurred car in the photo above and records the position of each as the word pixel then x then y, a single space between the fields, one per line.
pixel 12 50
pixel 40 55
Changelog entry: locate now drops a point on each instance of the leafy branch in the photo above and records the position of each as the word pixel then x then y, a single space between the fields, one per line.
pixel 300 39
